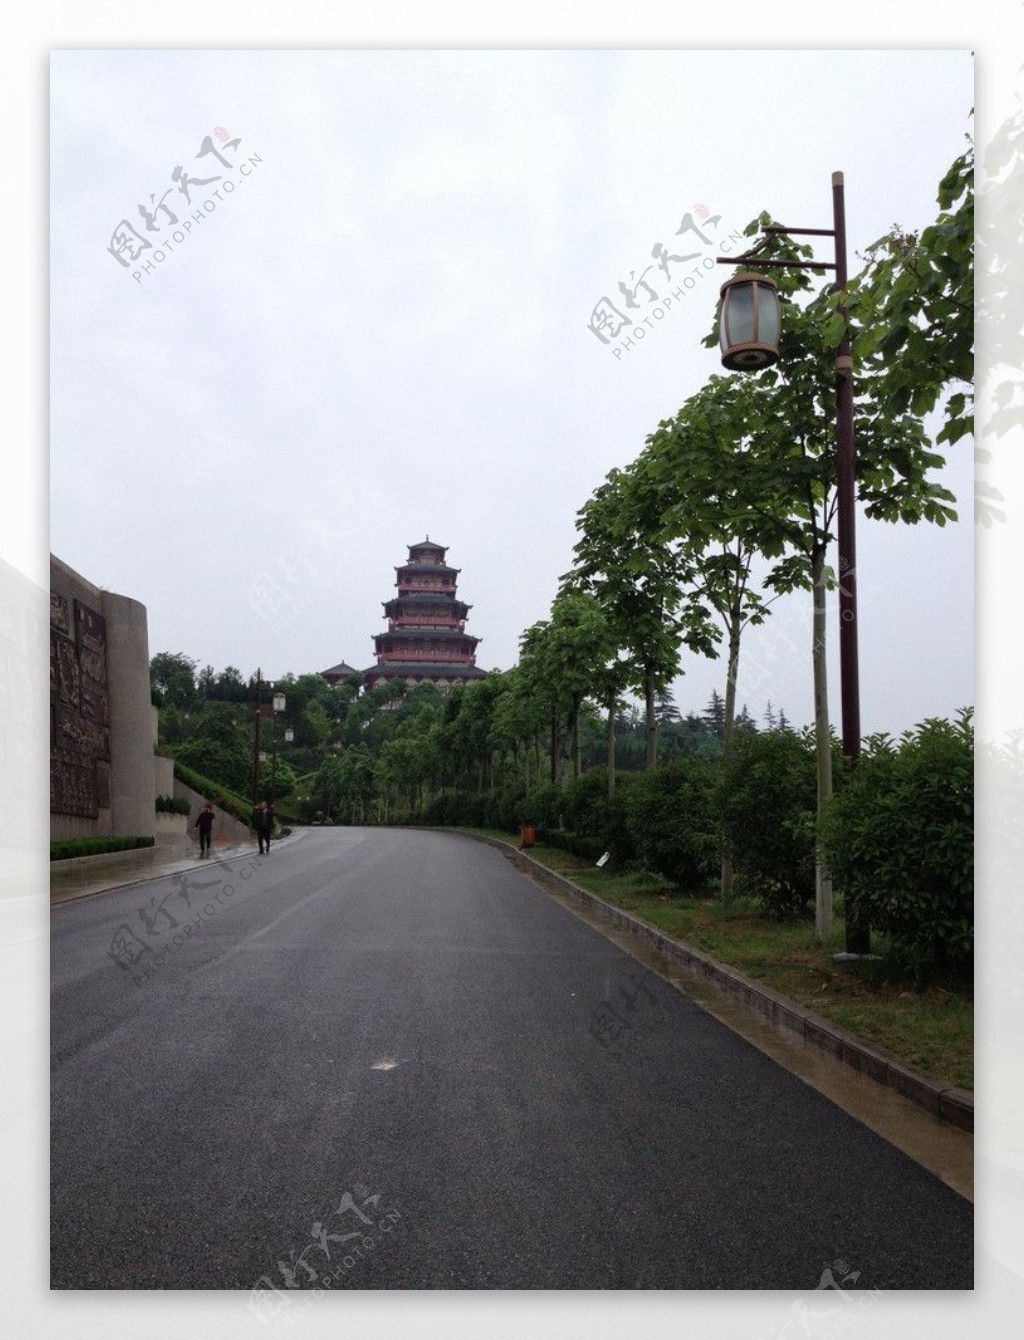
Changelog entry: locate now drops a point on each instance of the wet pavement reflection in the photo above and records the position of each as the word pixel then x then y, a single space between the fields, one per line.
pixel 945 1150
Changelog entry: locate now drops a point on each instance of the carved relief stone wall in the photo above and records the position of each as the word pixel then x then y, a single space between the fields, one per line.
pixel 79 709
pixel 101 739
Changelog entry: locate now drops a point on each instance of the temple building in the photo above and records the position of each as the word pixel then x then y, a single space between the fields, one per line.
pixel 340 674
pixel 426 638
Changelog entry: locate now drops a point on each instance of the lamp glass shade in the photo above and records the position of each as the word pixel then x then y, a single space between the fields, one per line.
pixel 741 314
pixel 289 735
pixel 748 322
pixel 768 326
pixel 278 702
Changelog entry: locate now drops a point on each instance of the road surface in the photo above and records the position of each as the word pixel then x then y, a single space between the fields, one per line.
pixel 386 1059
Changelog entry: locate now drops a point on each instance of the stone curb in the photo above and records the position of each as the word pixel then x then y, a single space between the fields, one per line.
pixel 944 1101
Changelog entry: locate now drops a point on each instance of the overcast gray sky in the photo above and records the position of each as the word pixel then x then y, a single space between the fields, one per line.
pixel 377 327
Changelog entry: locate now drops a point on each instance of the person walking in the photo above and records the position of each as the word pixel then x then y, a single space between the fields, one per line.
pixel 264 825
pixel 205 825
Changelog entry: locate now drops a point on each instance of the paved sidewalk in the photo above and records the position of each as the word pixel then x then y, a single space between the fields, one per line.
pixel 81 879
pixel 26 918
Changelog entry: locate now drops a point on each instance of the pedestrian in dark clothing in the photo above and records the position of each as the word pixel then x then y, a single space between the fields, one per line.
pixel 264 825
pixel 205 825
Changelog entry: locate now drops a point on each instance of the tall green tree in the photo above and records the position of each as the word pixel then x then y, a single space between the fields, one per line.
pixel 231 687
pixel 704 465
pixel 561 657
pixel 713 716
pixel 172 677
pixel 219 746
pixel 791 409
pixel 623 560
pixel 912 309
pixel 665 708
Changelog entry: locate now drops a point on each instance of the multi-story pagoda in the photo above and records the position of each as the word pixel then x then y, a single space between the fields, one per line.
pixel 426 638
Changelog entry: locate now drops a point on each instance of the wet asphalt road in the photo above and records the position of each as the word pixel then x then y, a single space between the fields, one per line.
pixel 388 1060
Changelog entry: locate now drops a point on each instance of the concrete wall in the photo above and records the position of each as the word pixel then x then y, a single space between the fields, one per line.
pixel 101 744
pixel 131 715
pixel 163 775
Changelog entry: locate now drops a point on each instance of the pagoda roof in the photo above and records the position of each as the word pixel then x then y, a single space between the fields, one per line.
pixel 426 635
pixel 425 567
pixel 423 602
pixel 428 669
pixel 428 543
pixel 342 670
pixel 455 610
pixel 425 597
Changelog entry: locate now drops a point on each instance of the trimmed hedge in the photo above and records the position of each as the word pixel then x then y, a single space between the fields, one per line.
pixel 67 848
pixel 215 793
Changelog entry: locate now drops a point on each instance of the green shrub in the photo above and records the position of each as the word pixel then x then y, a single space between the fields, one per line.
pixel 588 848
pixel 767 803
pixel 476 809
pixel 899 838
pixel 543 806
pixel 509 811
pixel 601 818
pixel 172 805
pixel 670 813
pixel 228 761
pixel 66 848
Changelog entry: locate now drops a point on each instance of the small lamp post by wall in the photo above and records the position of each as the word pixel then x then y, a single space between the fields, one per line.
pixel 749 330
pixel 260 755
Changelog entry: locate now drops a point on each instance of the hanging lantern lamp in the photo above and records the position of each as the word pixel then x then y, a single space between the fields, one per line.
pixel 748 322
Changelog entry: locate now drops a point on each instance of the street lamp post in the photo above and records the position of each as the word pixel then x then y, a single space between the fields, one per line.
pixel 749 333
pixel 279 706
pixel 256 742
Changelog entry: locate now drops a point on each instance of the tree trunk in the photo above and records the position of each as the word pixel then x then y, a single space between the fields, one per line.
pixel 651 724
pixel 728 727
pixel 554 748
pixel 576 760
pixel 611 748
pixel 822 747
